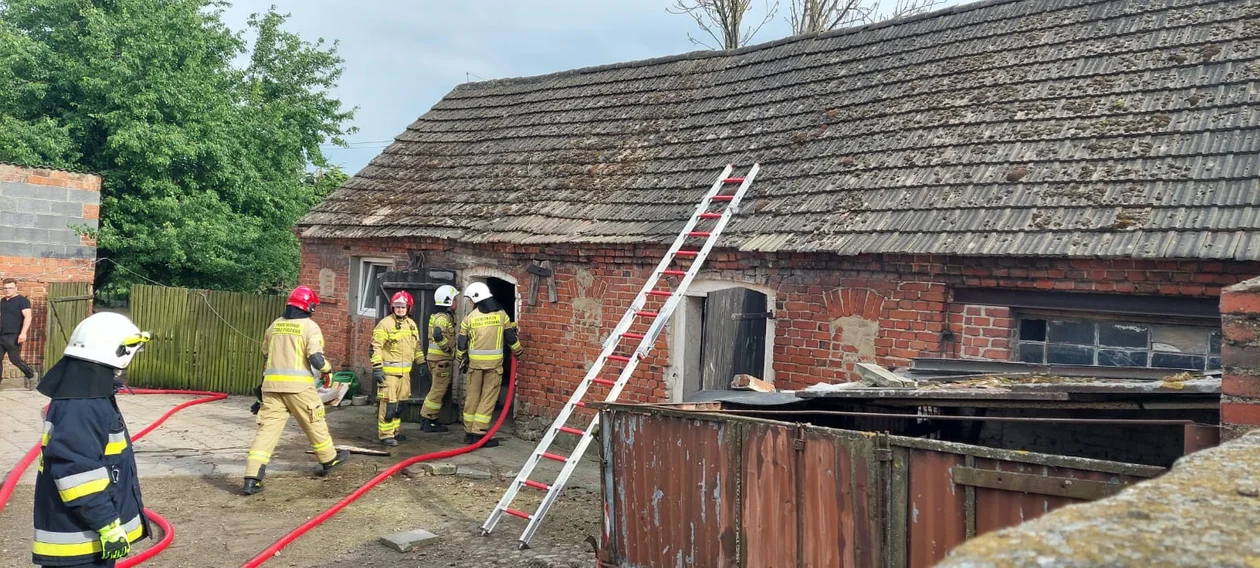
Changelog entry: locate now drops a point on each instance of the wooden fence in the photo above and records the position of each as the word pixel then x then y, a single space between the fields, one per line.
pixel 202 340
pixel 68 304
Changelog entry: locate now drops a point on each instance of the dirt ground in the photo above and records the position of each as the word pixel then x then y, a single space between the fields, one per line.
pixel 215 526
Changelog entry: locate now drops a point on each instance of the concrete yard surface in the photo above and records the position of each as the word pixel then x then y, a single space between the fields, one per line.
pixel 191 471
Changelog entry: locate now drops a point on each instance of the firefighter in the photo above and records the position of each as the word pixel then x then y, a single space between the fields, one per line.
pixel 88 508
pixel 479 347
pixel 439 356
pixel 395 348
pixel 293 346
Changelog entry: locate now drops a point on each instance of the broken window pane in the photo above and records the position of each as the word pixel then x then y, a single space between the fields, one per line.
pixel 1069 354
pixel 1214 342
pixel 1123 335
pixel 1180 339
pixel 1177 361
pixel 1032 330
pixel 1074 332
pixel 1118 358
pixel 1032 352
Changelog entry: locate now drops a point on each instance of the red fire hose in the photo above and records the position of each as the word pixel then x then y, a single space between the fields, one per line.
pixel 328 513
pixel 168 532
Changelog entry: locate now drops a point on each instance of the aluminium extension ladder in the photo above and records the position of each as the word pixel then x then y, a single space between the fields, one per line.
pixel 638 313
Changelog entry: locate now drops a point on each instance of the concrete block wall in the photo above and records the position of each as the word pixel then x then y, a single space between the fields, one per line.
pixel 830 313
pixel 38 207
pixel 1240 358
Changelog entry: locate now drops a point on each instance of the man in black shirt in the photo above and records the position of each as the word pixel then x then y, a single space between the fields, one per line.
pixel 15 321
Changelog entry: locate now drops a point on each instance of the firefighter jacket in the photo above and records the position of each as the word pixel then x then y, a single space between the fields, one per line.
pixel 396 345
pixel 87 479
pixel 481 339
pixel 441 337
pixel 293 346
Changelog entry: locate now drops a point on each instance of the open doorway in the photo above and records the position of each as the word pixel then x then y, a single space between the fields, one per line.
pixel 723 331
pixel 504 292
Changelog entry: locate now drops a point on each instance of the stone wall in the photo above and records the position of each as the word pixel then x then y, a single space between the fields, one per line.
pixel 1204 512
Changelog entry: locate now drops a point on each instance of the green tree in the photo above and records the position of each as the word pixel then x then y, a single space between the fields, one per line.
pixel 204 136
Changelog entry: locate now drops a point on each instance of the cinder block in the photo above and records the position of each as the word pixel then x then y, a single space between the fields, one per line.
pixel 40 206
pixel 408 541
pixel 13 219
pixel 67 209
pixel 52 222
pixel 82 196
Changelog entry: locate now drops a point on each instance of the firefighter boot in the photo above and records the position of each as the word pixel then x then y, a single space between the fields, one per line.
pixel 328 466
pixel 390 442
pixel 430 425
pixel 254 485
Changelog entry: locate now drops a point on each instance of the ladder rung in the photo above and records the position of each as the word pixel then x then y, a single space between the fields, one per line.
pixel 733 180
pixel 604 382
pixel 661 292
pixel 723 197
pixel 646 314
pixel 621 358
pixel 638 336
pixel 699 234
pixel 687 253
pixel 555 457
pixel 710 215
pixel 537 485
pixel 674 272
pixel 569 430
pixel 515 513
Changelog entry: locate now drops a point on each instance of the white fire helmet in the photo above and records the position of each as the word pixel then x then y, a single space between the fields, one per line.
pixel 106 338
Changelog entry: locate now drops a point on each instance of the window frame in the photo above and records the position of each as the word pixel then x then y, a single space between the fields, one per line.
pixel 1150 321
pixel 363 296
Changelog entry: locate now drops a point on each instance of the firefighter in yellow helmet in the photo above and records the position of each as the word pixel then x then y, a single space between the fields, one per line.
pixel 479 347
pixel 395 348
pixel 439 356
pixel 293 345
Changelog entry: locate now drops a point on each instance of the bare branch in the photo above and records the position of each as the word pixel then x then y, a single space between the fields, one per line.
pixel 813 16
pixel 723 20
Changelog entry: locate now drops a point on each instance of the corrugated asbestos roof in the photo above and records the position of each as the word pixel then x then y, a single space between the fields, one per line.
pixel 1118 128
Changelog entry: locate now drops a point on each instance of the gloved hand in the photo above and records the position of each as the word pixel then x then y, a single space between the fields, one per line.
pixel 378 375
pixel 114 543
pixel 253 408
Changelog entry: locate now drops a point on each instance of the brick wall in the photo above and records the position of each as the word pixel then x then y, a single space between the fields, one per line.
pixel 38 207
pixel 1240 357
pixel 830 313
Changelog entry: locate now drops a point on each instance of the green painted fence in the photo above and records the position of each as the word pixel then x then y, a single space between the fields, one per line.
pixel 202 340
pixel 68 304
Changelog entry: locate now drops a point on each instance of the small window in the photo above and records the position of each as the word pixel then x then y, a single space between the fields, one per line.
pixel 363 273
pixel 1067 341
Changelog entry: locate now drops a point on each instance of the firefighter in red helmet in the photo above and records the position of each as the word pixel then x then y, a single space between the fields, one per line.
pixel 293 345
pixel 395 348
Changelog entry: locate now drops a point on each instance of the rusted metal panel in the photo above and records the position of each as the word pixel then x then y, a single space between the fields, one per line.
pixel 770 531
pixel 1201 437
pixel 672 486
pixel 836 522
pixel 937 520
pixel 1001 508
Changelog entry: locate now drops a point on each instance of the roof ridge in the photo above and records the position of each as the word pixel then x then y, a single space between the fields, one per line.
pixel 722 53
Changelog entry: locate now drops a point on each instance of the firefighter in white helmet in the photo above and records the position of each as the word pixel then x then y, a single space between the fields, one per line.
pixel 88 509
pixel 395 349
pixel 479 347
pixel 440 356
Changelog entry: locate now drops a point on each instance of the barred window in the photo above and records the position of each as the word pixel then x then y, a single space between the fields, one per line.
pixel 1115 343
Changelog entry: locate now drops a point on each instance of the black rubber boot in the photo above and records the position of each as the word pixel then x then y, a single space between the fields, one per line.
pixel 491 443
pixel 391 442
pixel 254 485
pixel 337 461
pixel 400 436
pixel 433 426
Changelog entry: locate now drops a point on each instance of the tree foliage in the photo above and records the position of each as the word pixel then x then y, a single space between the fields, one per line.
pixel 203 136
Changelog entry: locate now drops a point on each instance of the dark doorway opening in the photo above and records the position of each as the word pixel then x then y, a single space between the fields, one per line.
pixel 504 293
pixel 732 337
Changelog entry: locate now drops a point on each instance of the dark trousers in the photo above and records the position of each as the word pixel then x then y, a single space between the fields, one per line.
pixel 9 345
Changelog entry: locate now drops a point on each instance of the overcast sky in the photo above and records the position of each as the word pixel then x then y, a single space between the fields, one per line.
pixel 402 56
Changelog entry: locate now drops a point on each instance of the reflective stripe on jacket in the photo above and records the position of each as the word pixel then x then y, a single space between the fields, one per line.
pixel 396 345
pixel 441 350
pixel 87 479
pixel 288 345
pixel 484 333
